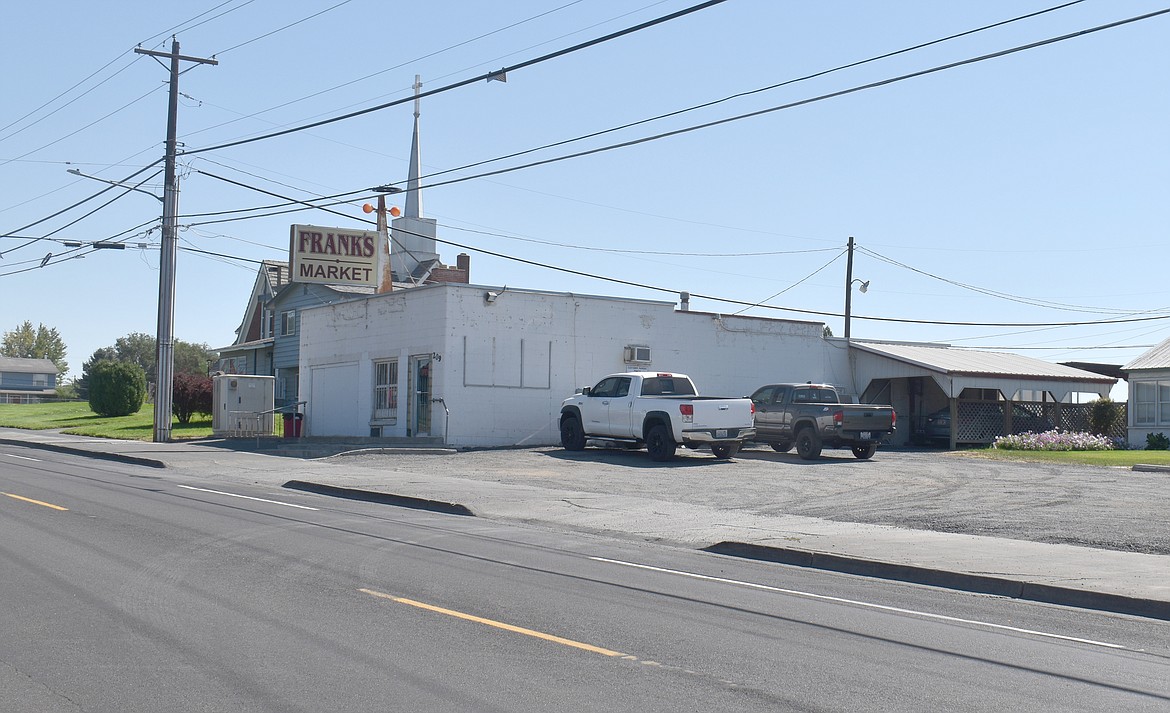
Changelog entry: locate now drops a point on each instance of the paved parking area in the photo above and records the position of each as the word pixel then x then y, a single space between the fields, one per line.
pixel 1109 508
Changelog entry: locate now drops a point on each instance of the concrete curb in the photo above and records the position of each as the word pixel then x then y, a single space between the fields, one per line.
pixel 981 584
pixel 73 450
pixel 383 498
pixel 394 450
pixel 1148 468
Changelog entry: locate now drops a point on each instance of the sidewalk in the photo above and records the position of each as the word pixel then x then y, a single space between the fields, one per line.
pixel 1102 579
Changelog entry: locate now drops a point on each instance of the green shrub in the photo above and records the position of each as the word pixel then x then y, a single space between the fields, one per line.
pixel 1104 413
pixel 191 394
pixel 1157 442
pixel 116 388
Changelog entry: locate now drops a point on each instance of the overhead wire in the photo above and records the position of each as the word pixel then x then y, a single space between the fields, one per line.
pixel 744 303
pixel 75 205
pixel 456 85
pixel 751 92
pixel 804 102
pixel 1002 295
pixel 375 74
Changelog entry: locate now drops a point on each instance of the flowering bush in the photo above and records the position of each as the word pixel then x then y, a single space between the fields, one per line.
pixel 1055 440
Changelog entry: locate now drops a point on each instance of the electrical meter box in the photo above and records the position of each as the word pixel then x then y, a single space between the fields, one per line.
pixel 243 405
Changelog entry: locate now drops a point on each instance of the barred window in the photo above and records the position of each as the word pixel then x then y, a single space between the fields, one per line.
pixel 386 390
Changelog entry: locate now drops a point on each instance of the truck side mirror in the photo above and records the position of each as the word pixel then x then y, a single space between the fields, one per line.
pixel 585 391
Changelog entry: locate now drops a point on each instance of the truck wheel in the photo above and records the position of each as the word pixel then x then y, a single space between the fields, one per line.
pixel 572 437
pixel 724 450
pixel 808 444
pixel 660 444
pixel 865 450
pixel 781 446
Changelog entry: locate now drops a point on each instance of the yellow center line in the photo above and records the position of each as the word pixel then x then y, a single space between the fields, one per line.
pixel 496 624
pixel 34 502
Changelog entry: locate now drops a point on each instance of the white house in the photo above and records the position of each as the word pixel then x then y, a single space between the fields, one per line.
pixel 1149 393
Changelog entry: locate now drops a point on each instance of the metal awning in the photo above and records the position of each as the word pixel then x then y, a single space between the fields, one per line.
pixel 957 369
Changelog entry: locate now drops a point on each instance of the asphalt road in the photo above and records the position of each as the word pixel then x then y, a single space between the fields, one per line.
pixel 155 591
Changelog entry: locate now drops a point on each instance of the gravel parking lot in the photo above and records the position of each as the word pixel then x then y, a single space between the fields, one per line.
pixel 1111 508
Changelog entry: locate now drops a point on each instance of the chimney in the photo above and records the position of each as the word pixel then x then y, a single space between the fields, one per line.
pixel 685 301
pixel 463 262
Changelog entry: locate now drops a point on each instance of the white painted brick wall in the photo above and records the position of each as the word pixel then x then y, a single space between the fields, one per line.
pixel 570 341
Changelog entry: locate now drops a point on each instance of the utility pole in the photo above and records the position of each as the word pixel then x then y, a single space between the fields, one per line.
pixel 848 286
pixel 165 337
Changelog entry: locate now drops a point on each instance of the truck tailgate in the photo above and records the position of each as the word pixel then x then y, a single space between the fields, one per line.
pixel 721 413
pixel 867 418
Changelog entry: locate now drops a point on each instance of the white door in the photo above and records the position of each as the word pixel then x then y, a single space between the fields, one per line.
pixel 333 407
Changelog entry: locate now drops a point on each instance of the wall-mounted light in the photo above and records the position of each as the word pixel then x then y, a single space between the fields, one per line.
pixel 491 296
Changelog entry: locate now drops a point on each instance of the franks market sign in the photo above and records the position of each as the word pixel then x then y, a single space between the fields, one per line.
pixel 333 256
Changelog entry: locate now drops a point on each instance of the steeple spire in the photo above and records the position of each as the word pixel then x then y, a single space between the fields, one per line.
pixel 414 190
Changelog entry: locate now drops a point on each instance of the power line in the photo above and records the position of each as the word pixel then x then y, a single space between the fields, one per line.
pixel 456 85
pixel 1002 295
pixel 75 205
pixel 397 66
pixel 803 102
pixel 281 29
pixel 760 90
pixel 743 303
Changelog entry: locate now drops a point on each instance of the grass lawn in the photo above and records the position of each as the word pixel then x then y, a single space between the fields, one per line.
pixel 1124 459
pixel 75 417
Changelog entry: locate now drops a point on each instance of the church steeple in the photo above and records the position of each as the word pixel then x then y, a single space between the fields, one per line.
pixel 414 252
pixel 414 192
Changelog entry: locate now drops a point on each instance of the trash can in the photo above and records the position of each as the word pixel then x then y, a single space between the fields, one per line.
pixel 290 425
pixel 297 418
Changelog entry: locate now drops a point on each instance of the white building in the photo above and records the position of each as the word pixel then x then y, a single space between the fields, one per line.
pixel 480 366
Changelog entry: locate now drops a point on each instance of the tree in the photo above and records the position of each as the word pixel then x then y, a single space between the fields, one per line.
pixel 24 342
pixel 116 388
pixel 138 348
pixel 191 395
pixel 103 354
pixel 192 358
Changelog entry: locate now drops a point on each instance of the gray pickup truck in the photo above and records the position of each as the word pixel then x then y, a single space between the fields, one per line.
pixel 811 416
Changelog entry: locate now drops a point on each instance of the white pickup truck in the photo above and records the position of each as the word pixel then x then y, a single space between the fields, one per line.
pixel 657 410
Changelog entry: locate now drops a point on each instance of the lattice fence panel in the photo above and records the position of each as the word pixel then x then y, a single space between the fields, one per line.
pixel 979 422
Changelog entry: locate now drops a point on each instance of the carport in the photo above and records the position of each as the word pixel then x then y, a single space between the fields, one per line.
pixel 988 394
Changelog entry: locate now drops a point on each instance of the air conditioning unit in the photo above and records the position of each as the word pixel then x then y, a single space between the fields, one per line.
pixel 637 355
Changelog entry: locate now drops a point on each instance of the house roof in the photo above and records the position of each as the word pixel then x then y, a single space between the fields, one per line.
pixel 246 346
pixel 28 366
pixel 954 362
pixel 276 271
pixel 1158 357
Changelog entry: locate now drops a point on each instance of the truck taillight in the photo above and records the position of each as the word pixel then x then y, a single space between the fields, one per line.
pixel 838 417
pixel 753 408
pixel 893 418
pixel 687 409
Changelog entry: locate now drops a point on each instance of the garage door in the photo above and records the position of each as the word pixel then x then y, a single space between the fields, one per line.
pixel 333 407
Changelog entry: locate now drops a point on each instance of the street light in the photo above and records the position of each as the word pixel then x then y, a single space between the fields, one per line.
pixel 77 172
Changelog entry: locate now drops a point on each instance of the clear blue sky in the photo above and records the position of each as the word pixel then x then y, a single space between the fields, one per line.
pixel 1027 188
